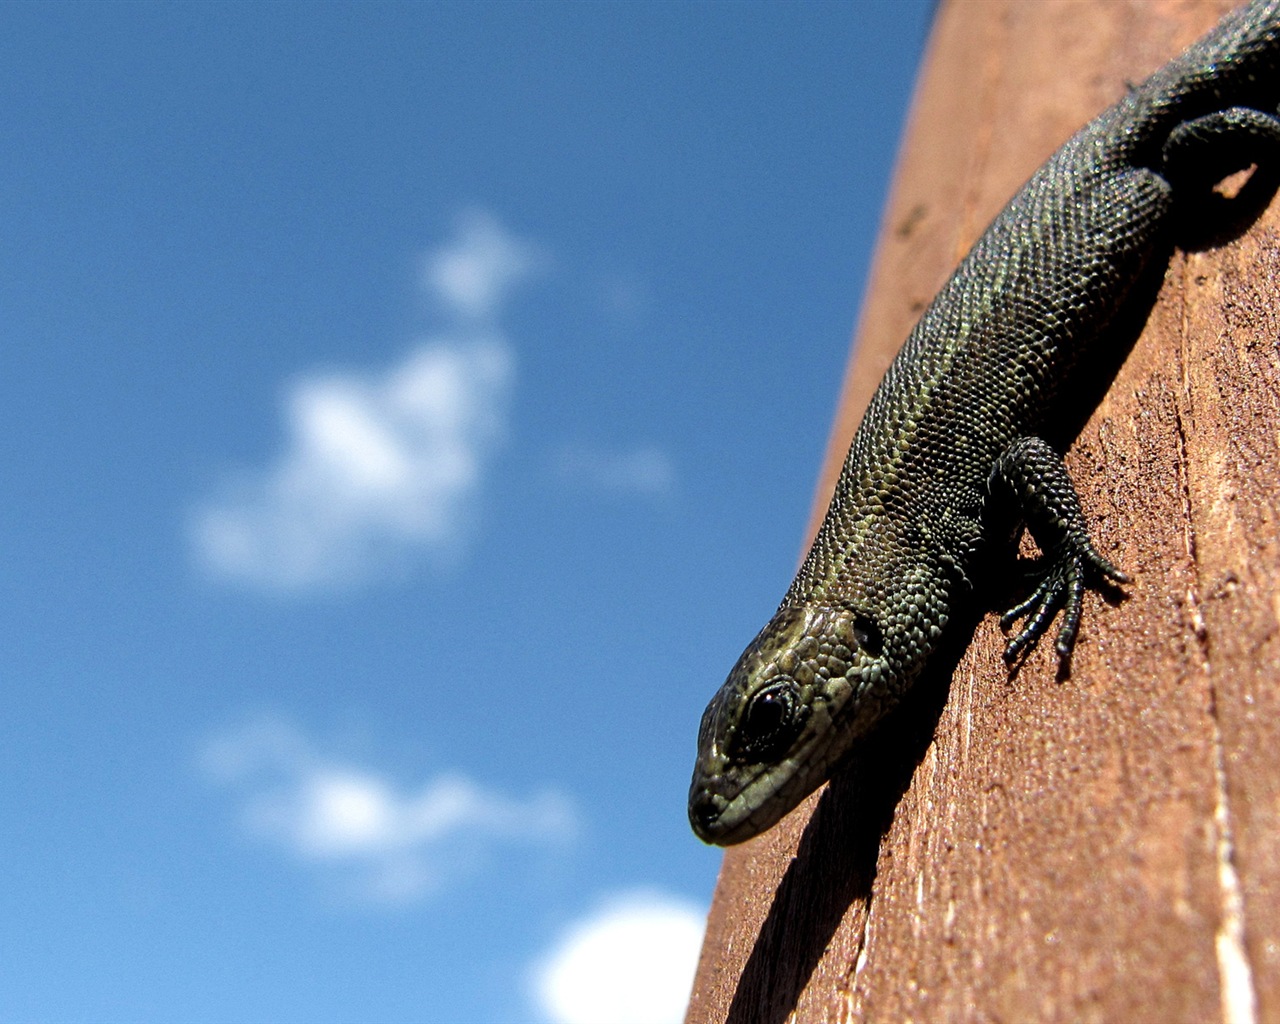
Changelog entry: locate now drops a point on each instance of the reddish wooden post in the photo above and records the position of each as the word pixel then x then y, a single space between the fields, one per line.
pixel 1019 847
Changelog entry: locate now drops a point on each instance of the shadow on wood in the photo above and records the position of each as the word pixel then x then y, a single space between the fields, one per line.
pixel 835 864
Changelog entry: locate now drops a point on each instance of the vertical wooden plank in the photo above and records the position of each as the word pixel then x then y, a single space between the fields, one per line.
pixel 1016 846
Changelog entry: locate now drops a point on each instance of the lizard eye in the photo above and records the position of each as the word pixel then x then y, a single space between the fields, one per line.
pixel 772 720
pixel 868 635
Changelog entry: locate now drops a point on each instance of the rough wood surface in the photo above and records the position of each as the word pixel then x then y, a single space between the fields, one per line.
pixel 1104 847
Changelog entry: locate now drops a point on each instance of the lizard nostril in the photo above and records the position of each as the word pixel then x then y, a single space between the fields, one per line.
pixel 703 812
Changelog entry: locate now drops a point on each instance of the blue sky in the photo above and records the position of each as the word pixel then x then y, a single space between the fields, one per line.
pixel 410 412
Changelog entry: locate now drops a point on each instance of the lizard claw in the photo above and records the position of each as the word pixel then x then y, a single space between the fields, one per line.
pixel 1061 586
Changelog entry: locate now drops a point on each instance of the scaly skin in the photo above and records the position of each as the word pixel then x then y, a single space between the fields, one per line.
pixel 950 444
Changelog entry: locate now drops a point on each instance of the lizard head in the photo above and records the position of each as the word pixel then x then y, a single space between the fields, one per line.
pixel 790 708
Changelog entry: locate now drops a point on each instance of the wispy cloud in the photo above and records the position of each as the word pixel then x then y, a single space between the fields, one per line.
pixel 381 465
pixel 474 272
pixel 385 841
pixel 644 470
pixel 631 961
pixel 377 466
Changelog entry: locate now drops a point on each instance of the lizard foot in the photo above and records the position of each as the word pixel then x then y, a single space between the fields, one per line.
pixel 1061 586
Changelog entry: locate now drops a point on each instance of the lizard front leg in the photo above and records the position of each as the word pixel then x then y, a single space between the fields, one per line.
pixel 1032 478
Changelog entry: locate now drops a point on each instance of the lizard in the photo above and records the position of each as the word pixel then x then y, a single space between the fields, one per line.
pixel 950 458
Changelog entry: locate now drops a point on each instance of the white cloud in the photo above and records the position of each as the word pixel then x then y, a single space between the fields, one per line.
pixel 632 961
pixel 473 274
pixel 645 470
pixel 380 466
pixel 390 843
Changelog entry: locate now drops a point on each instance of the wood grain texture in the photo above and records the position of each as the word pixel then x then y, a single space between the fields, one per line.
pixel 1020 846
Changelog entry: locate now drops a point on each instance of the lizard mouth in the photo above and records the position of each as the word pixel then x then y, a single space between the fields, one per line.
pixel 727 819
pixel 718 824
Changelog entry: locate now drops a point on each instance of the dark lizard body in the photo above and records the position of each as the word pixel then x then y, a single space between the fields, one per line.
pixel 950 452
